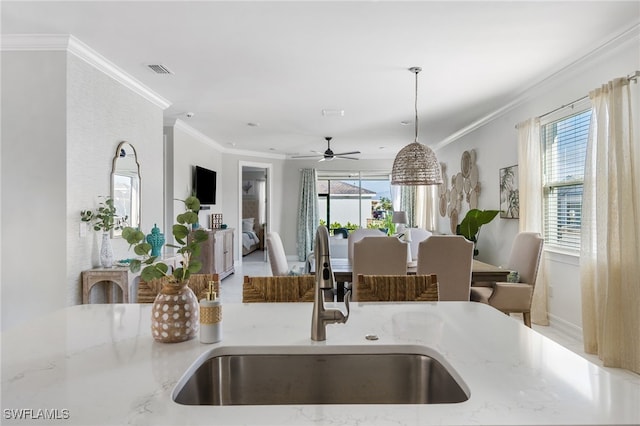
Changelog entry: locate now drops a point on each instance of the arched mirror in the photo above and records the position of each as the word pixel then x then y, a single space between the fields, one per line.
pixel 125 187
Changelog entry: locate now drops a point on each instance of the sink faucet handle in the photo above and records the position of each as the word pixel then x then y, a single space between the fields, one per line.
pixel 347 299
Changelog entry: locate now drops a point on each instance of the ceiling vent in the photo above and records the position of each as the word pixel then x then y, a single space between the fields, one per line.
pixel 160 69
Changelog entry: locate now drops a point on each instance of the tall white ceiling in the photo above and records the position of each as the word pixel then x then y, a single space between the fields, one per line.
pixel 279 64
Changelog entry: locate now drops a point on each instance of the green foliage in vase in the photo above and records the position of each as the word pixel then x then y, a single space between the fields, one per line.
pixel 103 218
pixel 188 249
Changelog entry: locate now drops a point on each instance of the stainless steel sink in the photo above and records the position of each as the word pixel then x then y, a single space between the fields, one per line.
pixel 318 375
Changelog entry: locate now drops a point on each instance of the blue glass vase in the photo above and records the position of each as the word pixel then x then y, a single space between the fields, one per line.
pixel 156 239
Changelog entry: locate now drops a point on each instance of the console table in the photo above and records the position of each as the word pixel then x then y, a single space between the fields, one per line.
pixel 120 276
pixel 117 275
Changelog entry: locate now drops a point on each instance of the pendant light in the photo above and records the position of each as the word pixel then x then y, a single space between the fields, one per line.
pixel 416 164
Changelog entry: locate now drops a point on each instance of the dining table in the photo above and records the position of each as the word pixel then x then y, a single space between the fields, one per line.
pixel 481 272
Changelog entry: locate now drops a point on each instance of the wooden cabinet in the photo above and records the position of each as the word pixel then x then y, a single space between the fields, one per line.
pixel 217 253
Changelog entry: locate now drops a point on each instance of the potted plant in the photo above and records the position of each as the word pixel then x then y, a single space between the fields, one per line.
pixel 103 219
pixel 472 222
pixel 175 314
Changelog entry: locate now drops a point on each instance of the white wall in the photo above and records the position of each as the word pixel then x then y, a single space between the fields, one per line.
pixel 62 121
pixel 34 158
pixel 187 148
pixel 232 170
pixel 101 114
pixel 496 147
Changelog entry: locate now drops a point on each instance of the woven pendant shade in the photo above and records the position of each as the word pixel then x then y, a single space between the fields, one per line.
pixel 416 164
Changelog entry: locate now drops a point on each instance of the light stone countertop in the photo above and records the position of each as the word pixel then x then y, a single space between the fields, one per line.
pixel 98 365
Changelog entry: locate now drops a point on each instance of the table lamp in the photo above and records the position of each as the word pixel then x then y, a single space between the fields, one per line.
pixel 400 218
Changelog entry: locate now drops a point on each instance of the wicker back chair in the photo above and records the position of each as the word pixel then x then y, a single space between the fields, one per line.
pixel 199 283
pixel 397 288
pixel 289 288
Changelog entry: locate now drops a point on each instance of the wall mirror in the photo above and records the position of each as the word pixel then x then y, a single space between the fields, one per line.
pixel 125 187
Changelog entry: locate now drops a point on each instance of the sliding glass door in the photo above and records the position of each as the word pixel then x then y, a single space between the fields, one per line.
pixel 350 200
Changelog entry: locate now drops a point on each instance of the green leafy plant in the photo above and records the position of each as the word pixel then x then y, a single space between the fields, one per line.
pixel 103 218
pixel 188 249
pixel 472 222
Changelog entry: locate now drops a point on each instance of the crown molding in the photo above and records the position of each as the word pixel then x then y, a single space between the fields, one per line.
pixel 196 134
pixel 620 39
pixel 255 154
pixel 34 42
pixel 70 44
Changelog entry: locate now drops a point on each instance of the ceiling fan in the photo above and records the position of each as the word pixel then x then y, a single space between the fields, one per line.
pixel 329 155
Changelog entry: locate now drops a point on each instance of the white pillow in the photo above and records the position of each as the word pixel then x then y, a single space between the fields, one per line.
pixel 247 225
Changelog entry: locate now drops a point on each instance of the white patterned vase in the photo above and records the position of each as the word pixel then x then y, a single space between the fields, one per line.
pixel 175 314
pixel 106 252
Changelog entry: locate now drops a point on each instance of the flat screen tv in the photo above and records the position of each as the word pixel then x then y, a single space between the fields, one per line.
pixel 204 185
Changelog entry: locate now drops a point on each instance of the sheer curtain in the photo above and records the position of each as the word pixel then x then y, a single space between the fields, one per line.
pixel 261 190
pixel 307 213
pixel 531 196
pixel 404 199
pixel 420 204
pixel 426 202
pixel 610 236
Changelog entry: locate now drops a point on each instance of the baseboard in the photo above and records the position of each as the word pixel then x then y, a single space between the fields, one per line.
pixel 565 327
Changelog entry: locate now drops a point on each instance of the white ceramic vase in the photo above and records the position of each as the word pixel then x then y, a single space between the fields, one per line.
pixel 106 251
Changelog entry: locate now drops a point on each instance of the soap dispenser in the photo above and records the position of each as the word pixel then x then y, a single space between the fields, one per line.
pixel 210 317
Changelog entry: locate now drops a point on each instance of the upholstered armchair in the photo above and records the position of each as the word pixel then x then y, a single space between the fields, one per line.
pixel 378 256
pixel 277 256
pixel 357 235
pixel 417 236
pixel 450 257
pixel 516 297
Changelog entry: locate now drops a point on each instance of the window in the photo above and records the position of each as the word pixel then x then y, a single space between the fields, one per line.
pixel 564 146
pixel 353 199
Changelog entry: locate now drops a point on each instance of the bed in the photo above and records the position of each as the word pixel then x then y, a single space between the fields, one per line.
pixel 250 238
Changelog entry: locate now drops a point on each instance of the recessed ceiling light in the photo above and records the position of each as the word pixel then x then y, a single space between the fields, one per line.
pixel 333 113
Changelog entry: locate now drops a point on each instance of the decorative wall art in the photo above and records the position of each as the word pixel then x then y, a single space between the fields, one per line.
pixel 465 187
pixel 509 194
pixel 249 188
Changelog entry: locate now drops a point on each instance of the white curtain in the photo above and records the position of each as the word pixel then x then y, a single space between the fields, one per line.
pixel 308 217
pixel 610 236
pixel 531 196
pixel 426 202
pixel 420 204
pixel 261 189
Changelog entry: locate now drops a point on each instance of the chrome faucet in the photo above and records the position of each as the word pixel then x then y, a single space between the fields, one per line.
pixel 324 281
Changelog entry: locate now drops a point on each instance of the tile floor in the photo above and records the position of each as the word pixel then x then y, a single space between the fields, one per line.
pixel 255 265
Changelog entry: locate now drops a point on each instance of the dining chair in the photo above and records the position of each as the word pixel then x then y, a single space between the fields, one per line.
pixel 417 236
pixel 290 288
pixel 450 257
pixel 516 297
pixel 398 288
pixel 378 256
pixel 277 256
pixel 357 235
